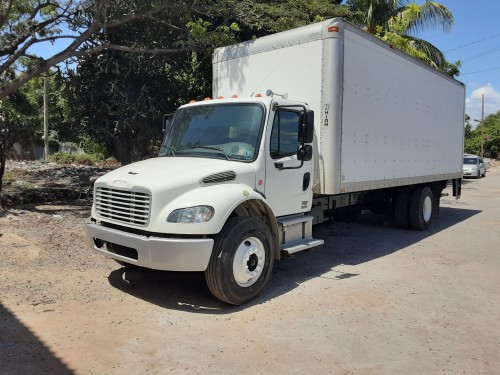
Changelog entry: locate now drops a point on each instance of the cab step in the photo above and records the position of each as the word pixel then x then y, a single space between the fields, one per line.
pixel 296 234
pixel 299 245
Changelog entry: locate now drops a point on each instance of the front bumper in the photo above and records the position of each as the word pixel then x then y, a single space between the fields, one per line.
pixel 467 173
pixel 168 254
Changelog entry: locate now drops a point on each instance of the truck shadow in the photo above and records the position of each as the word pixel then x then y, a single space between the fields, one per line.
pixel 345 244
pixel 22 352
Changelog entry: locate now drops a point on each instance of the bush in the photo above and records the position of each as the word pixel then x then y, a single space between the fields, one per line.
pixel 83 159
pixel 63 158
pixel 11 176
pixel 92 146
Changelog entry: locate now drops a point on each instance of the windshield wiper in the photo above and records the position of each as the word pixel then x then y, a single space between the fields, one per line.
pixel 213 148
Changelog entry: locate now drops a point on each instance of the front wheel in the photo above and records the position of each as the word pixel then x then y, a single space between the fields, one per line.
pixel 241 261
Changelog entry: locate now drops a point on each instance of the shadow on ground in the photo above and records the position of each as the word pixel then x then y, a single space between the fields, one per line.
pixel 22 352
pixel 345 244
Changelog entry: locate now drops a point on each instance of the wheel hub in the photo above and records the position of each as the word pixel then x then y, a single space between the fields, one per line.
pixel 248 263
pixel 427 209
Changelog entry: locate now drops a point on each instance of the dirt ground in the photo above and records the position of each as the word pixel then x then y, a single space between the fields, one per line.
pixel 372 300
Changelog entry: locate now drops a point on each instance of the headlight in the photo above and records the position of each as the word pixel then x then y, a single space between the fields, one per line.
pixel 198 214
pixel 474 168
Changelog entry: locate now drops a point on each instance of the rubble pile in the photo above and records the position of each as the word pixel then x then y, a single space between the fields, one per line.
pixel 41 182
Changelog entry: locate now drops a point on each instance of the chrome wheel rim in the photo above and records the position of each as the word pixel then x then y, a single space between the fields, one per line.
pixel 248 262
pixel 427 209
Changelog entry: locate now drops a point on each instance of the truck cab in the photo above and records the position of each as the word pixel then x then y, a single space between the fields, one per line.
pixel 230 177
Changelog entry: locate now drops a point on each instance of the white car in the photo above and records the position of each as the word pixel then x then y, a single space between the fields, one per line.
pixel 486 163
pixel 473 166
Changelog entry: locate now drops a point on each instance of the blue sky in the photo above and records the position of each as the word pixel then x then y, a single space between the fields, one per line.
pixel 474 40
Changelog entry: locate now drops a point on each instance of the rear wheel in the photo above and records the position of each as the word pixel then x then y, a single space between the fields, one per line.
pixel 401 208
pixel 241 262
pixel 421 207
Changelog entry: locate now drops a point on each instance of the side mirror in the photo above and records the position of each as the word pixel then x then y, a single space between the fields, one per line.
pixel 306 130
pixel 167 119
pixel 304 153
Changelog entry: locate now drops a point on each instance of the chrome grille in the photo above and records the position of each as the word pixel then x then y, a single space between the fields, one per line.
pixel 126 206
pixel 219 178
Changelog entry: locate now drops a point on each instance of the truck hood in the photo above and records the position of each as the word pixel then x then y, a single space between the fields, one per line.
pixel 178 174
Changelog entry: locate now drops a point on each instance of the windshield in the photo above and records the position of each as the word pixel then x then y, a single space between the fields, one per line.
pixel 472 161
pixel 227 131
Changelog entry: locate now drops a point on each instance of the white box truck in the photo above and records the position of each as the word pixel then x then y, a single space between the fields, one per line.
pixel 303 125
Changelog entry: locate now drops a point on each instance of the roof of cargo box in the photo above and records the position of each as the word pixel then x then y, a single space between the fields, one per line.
pixel 304 34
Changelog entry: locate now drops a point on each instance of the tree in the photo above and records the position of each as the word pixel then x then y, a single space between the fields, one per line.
pixel 87 24
pixel 16 115
pixel 123 96
pixel 25 23
pixel 394 21
pixel 490 134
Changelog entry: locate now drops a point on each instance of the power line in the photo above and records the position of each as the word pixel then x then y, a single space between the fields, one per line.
pixel 471 43
pixel 481 54
pixel 480 71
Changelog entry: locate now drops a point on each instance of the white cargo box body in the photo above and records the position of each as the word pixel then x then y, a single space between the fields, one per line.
pixel 382 118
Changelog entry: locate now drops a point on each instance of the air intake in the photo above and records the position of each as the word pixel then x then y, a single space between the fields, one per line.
pixel 219 178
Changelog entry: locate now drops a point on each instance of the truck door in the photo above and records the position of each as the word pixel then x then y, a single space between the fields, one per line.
pixel 288 184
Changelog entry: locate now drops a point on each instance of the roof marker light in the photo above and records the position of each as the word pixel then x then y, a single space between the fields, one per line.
pixel 206 99
pixel 333 29
pixel 192 101
pixel 220 97
pixel 234 96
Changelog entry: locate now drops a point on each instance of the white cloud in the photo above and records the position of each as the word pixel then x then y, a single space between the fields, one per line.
pixel 491 102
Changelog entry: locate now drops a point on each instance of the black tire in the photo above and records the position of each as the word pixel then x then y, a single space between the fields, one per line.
pixel 401 209
pixel 243 248
pixel 478 175
pixel 421 207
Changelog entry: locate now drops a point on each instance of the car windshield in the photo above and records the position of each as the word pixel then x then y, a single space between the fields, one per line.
pixel 472 161
pixel 226 131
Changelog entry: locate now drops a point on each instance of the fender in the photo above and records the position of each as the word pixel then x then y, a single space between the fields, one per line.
pixel 224 198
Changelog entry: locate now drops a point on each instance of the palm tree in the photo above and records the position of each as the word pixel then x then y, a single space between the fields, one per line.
pixel 395 20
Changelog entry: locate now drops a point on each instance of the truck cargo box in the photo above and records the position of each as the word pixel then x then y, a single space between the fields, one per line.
pixel 383 118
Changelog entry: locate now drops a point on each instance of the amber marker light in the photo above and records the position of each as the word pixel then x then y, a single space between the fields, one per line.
pixel 333 29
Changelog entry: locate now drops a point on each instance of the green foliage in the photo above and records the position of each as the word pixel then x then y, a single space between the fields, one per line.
pixel 80 159
pixel 490 135
pixel 12 175
pixel 62 158
pixel 396 21
pixel 91 145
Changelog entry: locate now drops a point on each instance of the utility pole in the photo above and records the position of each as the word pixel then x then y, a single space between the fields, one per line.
pixel 482 125
pixel 46 118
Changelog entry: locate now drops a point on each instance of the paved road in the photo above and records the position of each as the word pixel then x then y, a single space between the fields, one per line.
pixel 373 300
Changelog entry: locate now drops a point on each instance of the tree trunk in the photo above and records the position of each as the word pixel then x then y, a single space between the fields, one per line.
pixel 124 150
pixel 3 159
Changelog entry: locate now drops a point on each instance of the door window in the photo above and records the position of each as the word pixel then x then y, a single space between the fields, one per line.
pixel 285 134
